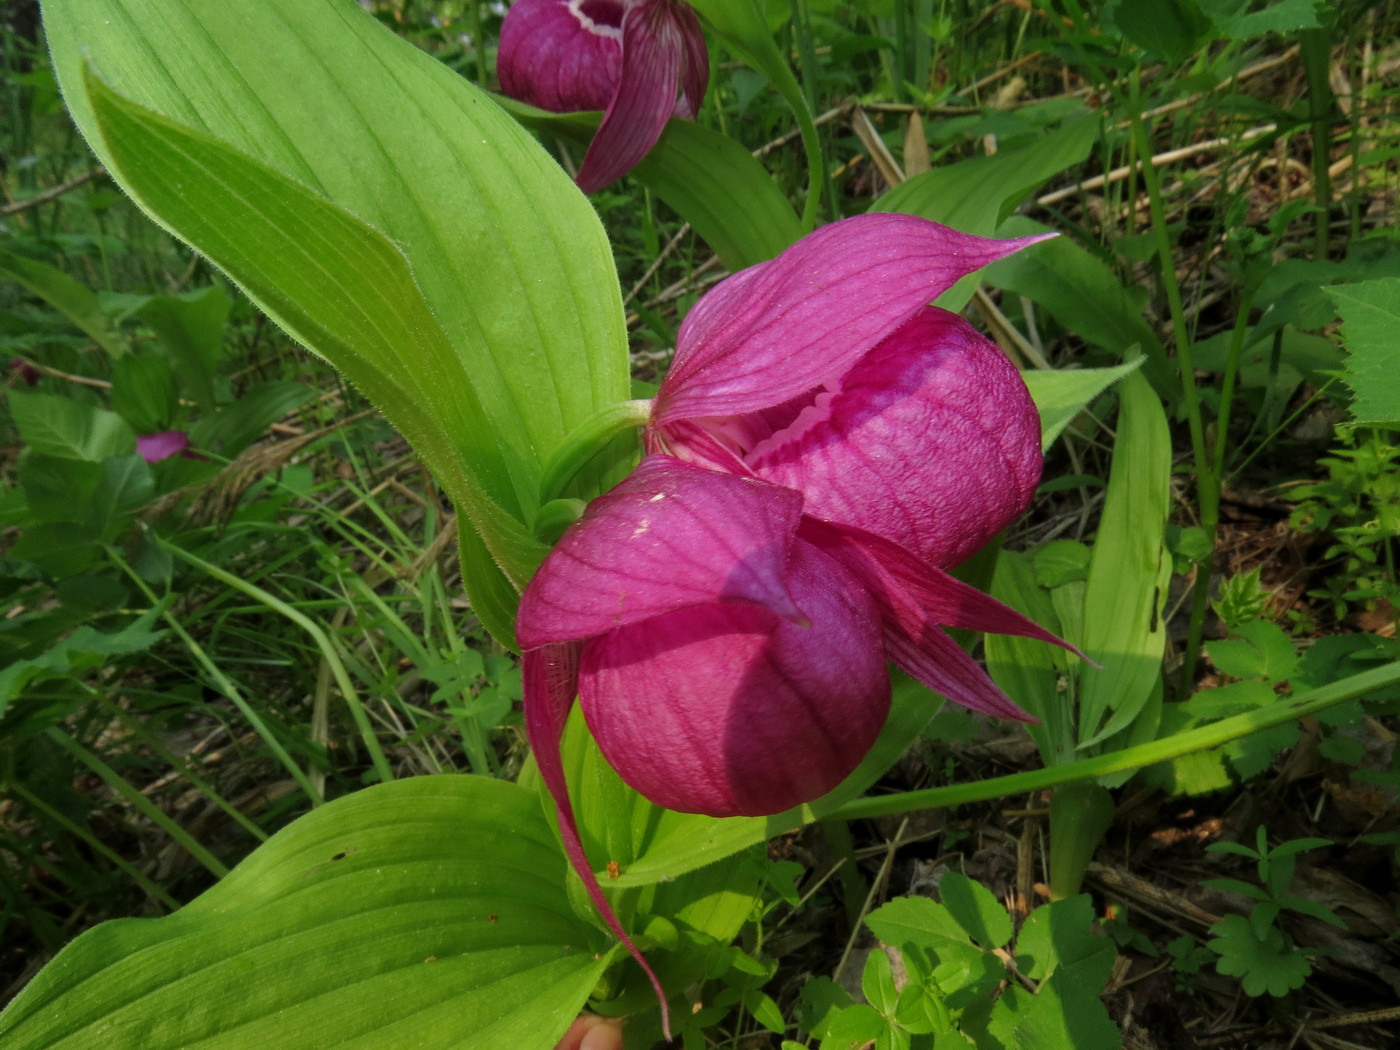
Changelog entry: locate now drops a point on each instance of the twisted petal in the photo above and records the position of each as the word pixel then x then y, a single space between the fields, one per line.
pixel 787 327
pixel 549 676
pixel 916 600
pixel 658 44
pixel 561 55
pixel 669 536
pixel 726 709
pixel 931 440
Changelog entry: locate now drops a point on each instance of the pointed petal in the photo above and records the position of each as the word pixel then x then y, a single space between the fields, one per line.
pixel 942 665
pixel 652 49
pixel 561 56
pixel 669 536
pixel 932 441
pixel 791 325
pixel 913 595
pixel 725 709
pixel 548 677
pixel 695 75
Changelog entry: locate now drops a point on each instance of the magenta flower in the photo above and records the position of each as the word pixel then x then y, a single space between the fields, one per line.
pixel 824 447
pixel 155 447
pixel 626 57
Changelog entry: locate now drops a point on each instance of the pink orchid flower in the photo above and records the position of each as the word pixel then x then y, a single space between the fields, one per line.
pixel 155 447
pixel 825 446
pixel 625 57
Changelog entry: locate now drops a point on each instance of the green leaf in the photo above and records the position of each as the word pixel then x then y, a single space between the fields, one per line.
pixel 1265 965
pixel 976 195
pixel 976 910
pixel 237 425
pixel 1082 293
pixel 711 181
pixel 1124 629
pixel 144 394
pixel 53 425
pixel 919 921
pixel 76 302
pixel 1062 933
pixel 1260 649
pixel 877 982
pixel 190 329
pixel 1370 318
pixel 426 913
pixel 1234 21
pixel 1166 29
pixel 1060 395
pixel 377 206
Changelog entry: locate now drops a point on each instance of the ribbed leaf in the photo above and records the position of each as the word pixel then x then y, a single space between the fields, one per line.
pixel 425 913
pixel 515 304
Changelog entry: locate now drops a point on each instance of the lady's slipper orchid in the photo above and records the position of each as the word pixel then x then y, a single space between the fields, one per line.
pixel 824 447
pixel 625 57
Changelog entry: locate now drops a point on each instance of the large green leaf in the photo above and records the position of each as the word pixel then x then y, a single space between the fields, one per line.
pixel 711 181
pixel 381 207
pixel 1370 313
pixel 1126 592
pixel 424 913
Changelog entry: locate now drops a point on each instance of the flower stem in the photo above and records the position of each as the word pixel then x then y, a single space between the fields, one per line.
pixel 1202 738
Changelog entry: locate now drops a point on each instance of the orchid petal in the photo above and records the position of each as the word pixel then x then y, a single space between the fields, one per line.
pixel 726 710
pixel 155 447
pixel 931 440
pixel 561 55
pixel 549 676
pixel 670 535
pixel 804 319
pixel 941 664
pixel 653 49
pixel 913 595
pixel 695 73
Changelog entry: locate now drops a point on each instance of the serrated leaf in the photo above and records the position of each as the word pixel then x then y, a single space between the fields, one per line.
pixel 427 912
pixel 1370 318
pixel 1061 933
pixel 1266 966
pixel 53 425
pixel 916 920
pixel 976 909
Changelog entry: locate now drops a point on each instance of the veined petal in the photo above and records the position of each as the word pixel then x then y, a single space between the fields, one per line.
pixel 549 678
pixel 913 595
pixel 779 329
pixel 695 69
pixel 932 440
pixel 653 52
pixel 942 665
pixel 561 55
pixel 668 536
pixel 725 709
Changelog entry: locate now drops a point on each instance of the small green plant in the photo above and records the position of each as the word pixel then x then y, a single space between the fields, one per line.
pixel 1253 947
pixel 963 978
pixel 1188 959
pixel 1243 598
pixel 1358 507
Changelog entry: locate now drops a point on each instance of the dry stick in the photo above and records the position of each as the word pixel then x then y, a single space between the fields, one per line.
pixel 1158 160
pixel 50 194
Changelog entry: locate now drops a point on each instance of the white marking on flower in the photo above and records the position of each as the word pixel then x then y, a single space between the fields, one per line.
pixel 576 9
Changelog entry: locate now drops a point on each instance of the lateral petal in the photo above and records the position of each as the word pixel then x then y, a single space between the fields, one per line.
pixel 653 46
pixel 912 594
pixel 931 440
pixel 726 710
pixel 784 327
pixel 942 665
pixel 668 536
pixel 549 678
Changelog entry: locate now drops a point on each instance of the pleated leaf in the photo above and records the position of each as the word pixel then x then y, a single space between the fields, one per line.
pixel 427 913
